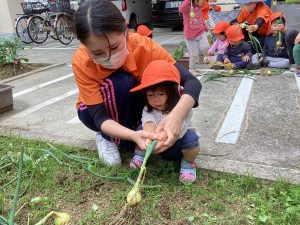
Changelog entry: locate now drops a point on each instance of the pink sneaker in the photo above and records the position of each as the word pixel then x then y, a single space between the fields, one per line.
pixel 188 172
pixel 136 162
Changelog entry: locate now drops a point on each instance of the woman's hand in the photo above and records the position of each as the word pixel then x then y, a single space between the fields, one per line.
pixel 141 138
pixel 297 40
pixel 171 125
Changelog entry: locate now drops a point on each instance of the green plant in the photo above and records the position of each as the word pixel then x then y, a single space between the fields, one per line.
pixel 178 54
pixel 9 51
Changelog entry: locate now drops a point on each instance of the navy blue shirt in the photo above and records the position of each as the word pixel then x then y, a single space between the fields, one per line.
pixel 238 51
pixel 270 47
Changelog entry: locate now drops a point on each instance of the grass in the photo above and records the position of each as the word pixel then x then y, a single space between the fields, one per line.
pixel 292 1
pixel 215 198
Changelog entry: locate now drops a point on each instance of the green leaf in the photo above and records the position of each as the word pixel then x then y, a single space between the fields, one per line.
pixel 39 199
pixel 263 218
pixel 92 167
pixel 191 218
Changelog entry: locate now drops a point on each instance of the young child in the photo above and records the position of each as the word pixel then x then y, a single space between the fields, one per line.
pixel 221 42
pixel 145 31
pixel 160 83
pixel 238 53
pixel 275 50
pixel 194 30
pixel 296 54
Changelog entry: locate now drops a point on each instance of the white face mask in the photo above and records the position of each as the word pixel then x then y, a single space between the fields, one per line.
pixel 116 60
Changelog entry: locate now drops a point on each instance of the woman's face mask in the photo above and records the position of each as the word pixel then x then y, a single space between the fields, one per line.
pixel 99 50
pixel 116 59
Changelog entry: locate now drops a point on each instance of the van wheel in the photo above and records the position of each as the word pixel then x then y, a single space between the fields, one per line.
pixel 133 22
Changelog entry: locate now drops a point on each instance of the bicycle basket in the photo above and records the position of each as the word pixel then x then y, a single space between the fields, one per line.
pixel 60 5
pixel 33 7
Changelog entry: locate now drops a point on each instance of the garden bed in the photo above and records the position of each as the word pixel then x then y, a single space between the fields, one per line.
pixel 10 70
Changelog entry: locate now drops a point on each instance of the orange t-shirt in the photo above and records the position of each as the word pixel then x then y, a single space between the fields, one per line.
pixel 89 75
pixel 261 11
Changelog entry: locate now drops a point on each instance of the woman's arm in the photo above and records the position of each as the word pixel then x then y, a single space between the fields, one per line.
pixel 172 123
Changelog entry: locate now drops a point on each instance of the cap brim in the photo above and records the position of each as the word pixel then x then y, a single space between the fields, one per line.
pixel 150 83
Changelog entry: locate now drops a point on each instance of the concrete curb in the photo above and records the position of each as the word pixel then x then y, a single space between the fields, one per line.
pixel 247 168
pixel 31 72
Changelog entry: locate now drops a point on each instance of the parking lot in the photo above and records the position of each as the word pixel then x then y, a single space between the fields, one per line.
pixel 248 126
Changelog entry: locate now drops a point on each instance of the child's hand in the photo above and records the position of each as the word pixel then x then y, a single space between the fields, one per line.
pixel 140 136
pixel 226 60
pixel 252 28
pixel 246 58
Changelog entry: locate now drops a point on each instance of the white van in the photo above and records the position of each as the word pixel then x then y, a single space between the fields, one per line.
pixel 135 11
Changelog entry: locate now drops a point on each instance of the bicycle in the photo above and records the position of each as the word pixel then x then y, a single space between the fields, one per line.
pixel 61 23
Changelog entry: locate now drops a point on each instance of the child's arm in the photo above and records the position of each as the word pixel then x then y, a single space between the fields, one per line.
pixel 247 49
pixel 185 7
pixel 213 48
pixel 265 48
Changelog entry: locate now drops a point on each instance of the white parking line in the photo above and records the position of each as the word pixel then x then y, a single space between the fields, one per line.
pixel 54 48
pixel 44 104
pixel 230 130
pixel 41 85
pixel 298 82
pixel 171 39
pixel 74 120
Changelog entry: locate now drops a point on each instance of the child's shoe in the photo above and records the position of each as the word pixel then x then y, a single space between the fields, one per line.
pixel 136 162
pixel 217 66
pixel 297 74
pixel 253 66
pixel 187 172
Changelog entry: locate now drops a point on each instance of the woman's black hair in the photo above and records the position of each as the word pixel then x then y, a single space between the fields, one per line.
pixel 172 93
pixel 98 17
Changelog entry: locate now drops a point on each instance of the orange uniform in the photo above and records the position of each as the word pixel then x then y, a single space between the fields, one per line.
pixel 89 76
pixel 261 11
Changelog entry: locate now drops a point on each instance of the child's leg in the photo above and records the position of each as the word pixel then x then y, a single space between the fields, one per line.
pixel 193 48
pixel 296 54
pixel 203 44
pixel 238 62
pixel 278 62
pixel 290 37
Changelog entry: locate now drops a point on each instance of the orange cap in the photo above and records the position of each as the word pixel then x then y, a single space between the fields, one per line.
pixel 144 30
pixel 221 26
pixel 156 72
pixel 275 16
pixel 234 33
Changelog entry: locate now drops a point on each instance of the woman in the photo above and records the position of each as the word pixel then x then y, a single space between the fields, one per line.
pixel 107 65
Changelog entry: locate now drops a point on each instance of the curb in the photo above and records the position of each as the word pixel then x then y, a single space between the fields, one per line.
pixel 31 72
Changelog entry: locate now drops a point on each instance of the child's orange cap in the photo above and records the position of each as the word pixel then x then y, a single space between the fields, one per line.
pixel 221 27
pixel 234 33
pixel 144 30
pixel 156 72
pixel 275 16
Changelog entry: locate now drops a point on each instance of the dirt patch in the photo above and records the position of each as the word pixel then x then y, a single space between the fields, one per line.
pixel 10 70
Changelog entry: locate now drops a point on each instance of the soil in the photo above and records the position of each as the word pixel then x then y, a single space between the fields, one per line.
pixel 10 70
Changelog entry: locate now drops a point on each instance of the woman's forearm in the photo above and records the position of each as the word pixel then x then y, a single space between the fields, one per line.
pixel 184 105
pixel 114 129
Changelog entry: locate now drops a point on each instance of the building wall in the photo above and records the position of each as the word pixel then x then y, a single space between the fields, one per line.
pixel 8 11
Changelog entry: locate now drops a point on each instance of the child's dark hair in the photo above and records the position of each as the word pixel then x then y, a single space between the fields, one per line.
pixel 172 92
pixel 276 20
pixel 98 17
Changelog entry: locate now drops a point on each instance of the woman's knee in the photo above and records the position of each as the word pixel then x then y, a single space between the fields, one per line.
pixel 85 117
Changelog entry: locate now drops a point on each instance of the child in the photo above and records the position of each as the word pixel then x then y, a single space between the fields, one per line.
pixel 145 31
pixel 194 30
pixel 238 53
pixel 257 14
pixel 221 43
pixel 296 53
pixel 160 82
pixel 275 50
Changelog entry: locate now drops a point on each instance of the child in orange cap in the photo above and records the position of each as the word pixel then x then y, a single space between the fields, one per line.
pixel 238 52
pixel 221 43
pixel 160 82
pixel 144 31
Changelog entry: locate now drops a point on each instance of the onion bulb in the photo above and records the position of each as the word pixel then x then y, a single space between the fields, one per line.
pixel 61 218
pixel 134 197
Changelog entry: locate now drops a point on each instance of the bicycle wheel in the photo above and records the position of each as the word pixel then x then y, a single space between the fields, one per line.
pixel 38 29
pixel 64 27
pixel 52 32
pixel 21 29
